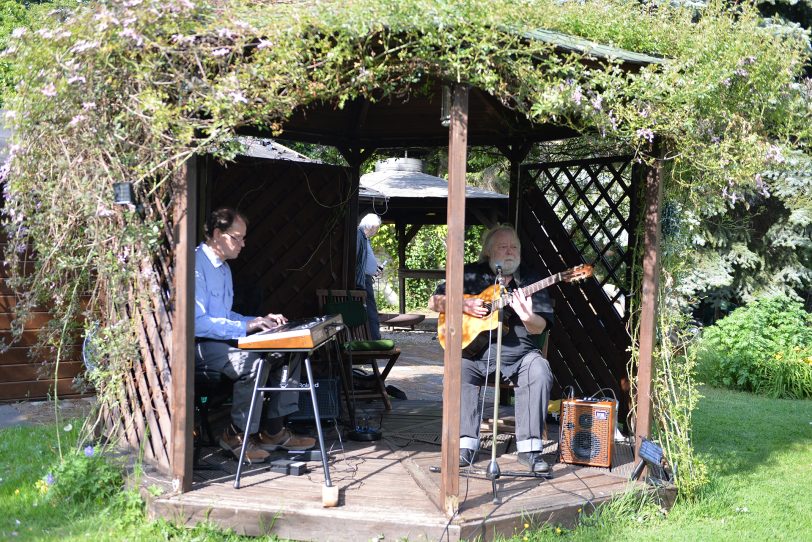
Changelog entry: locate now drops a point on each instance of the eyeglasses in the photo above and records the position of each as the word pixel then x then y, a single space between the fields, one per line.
pixel 235 237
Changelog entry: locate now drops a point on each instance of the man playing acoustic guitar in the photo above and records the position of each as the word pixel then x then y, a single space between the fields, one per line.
pixel 525 318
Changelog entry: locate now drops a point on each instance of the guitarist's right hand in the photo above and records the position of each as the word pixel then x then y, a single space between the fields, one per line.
pixel 475 307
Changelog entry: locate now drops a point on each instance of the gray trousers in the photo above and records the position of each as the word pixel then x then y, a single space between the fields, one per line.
pixel 532 378
pixel 240 366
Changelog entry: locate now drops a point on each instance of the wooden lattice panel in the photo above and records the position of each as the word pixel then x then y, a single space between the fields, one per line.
pixel 582 212
pixel 141 412
pixel 593 200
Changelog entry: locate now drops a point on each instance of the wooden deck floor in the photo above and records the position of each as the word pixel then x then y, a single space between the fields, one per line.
pixel 388 491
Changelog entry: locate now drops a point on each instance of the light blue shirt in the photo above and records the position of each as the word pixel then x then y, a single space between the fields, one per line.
pixel 214 296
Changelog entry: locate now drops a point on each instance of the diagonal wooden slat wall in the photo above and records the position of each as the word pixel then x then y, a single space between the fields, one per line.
pixel 582 212
pixel 141 412
pixel 295 242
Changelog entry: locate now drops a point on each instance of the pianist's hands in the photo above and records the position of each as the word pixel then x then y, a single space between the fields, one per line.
pixel 264 323
pixel 276 319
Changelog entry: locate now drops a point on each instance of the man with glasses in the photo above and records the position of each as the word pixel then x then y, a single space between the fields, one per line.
pixel 217 329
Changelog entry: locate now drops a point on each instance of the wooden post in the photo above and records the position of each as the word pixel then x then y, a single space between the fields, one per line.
pixel 354 157
pixel 516 153
pixel 457 152
pixel 350 256
pixel 183 330
pixel 400 229
pixel 651 280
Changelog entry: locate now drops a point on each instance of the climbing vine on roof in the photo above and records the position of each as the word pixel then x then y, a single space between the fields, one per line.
pixel 129 90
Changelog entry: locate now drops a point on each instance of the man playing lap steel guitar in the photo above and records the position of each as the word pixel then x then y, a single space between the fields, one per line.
pixel 525 318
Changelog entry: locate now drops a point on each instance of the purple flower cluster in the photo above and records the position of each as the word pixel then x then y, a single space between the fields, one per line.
pixel 646 133
pixel 730 195
pixel 774 155
pixel 597 102
pixel 761 186
pixel 577 95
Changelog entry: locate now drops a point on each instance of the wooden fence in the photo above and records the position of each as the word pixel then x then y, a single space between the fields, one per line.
pixel 26 373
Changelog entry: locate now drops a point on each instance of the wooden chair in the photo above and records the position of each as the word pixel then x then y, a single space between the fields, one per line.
pixel 360 348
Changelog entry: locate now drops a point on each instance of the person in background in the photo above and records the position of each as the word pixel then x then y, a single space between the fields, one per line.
pixel 367 268
pixel 525 318
pixel 216 329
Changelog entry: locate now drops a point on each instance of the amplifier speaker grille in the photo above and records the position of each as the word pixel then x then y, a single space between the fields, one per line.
pixel 587 432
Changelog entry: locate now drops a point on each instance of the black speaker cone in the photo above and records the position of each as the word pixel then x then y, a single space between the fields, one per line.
pixel 585 445
pixel 585 420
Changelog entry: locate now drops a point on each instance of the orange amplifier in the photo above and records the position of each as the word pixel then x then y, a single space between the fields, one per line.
pixel 587 431
pixel 299 334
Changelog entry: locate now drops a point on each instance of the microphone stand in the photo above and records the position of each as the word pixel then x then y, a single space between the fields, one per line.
pixel 494 473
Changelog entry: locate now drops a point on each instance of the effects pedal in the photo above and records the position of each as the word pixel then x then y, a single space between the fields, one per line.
pixel 288 466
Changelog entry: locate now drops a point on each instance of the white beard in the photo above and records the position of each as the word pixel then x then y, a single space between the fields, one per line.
pixel 508 266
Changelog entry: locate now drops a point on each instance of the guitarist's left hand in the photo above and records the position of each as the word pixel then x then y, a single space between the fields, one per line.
pixel 523 307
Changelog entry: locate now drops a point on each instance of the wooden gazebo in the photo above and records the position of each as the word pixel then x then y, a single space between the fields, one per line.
pixel 303 219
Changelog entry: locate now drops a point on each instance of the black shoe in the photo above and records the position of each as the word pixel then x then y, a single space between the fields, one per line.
pixel 467 457
pixel 533 461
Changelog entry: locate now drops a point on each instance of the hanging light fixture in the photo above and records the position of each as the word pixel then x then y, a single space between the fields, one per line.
pixel 445 106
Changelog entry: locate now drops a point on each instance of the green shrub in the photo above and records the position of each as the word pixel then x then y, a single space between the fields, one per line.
pixel 82 476
pixel 764 347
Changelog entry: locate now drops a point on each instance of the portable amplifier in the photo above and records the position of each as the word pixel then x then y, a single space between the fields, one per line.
pixel 327 399
pixel 587 431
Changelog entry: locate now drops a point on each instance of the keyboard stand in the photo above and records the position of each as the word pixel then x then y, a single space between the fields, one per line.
pixel 258 391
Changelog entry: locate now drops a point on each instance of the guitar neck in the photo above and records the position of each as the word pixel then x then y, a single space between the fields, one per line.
pixel 530 289
pixel 540 285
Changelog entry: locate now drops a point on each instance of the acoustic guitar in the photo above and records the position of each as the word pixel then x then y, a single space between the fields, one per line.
pixel 475 329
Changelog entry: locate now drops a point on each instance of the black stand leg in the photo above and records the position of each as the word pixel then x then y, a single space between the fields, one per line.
pixel 259 390
pixel 311 385
pixel 245 435
pixel 493 471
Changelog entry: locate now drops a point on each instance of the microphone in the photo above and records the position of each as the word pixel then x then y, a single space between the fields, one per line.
pixel 498 266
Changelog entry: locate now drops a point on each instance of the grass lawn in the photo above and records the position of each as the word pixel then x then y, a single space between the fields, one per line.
pixel 26 456
pixel 759 453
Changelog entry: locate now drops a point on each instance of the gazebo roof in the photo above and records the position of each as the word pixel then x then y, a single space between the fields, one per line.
pixel 270 150
pixel 393 182
pixel 369 123
pixel 399 191
pixel 566 43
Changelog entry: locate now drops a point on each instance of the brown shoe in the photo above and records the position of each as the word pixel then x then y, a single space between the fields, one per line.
pixel 231 441
pixel 284 440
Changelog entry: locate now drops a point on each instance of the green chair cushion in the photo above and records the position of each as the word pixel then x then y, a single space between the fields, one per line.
pixel 360 346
